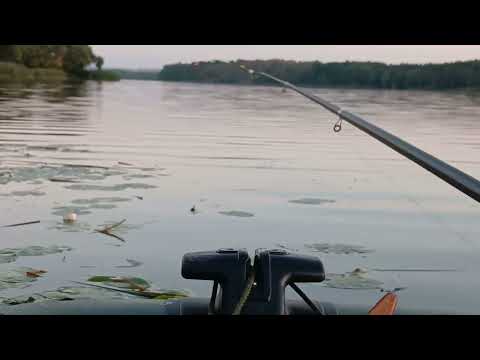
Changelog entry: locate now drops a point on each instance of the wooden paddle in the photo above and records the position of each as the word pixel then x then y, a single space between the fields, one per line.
pixel 385 306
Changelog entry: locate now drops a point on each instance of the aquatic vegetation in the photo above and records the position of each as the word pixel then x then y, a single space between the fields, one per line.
pixel 137 176
pixel 103 206
pixel 339 249
pixel 236 213
pixel 17 277
pixel 65 294
pixel 119 187
pixel 133 283
pixel 104 203
pixel 355 280
pixel 11 254
pixel 35 172
pixel 311 201
pixel 99 200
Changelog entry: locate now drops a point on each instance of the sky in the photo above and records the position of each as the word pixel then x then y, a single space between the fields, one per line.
pixel 156 56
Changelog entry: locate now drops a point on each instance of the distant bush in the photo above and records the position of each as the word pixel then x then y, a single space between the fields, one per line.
pixel 103 75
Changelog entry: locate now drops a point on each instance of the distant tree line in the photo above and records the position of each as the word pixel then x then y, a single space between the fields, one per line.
pixel 73 59
pixel 335 74
pixel 136 74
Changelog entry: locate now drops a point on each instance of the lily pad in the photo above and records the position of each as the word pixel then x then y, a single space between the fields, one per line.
pixel 134 283
pixel 119 187
pixel 46 172
pixel 10 255
pixel 16 277
pixel 340 249
pixel 99 200
pixel 137 176
pixel 102 206
pixel 312 201
pixel 355 280
pixel 77 293
pixel 236 213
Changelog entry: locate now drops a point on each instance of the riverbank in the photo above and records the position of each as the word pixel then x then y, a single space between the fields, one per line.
pixel 17 73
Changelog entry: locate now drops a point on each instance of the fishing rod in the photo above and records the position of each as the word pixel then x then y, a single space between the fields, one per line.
pixel 453 176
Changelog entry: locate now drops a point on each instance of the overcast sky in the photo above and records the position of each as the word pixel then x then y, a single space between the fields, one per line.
pixel 155 56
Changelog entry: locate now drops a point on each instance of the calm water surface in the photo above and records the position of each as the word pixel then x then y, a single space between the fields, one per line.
pixel 263 168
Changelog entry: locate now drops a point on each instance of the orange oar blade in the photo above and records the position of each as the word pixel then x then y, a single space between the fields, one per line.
pixel 385 306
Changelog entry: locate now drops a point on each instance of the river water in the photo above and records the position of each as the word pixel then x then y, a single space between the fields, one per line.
pixel 263 169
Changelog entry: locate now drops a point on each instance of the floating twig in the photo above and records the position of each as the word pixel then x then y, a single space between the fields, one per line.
pixel 108 230
pixel 21 224
pixel 124 163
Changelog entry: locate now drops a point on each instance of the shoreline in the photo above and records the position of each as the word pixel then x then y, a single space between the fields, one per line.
pixel 13 73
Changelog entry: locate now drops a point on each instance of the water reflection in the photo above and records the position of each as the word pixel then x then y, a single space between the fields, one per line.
pixel 263 168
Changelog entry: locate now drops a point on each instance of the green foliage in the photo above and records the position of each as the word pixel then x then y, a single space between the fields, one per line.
pixel 103 75
pixel 99 62
pixel 347 74
pixel 11 72
pixel 50 62
pixel 76 58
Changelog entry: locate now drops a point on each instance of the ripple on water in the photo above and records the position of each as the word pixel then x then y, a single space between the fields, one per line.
pixel 77 226
pixel 236 213
pixel 25 193
pixel 311 201
pixel 64 210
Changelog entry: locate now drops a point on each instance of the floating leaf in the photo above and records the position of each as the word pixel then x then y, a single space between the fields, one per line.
pixel 35 273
